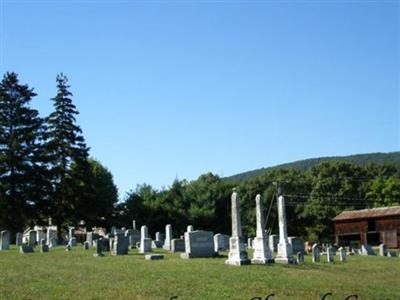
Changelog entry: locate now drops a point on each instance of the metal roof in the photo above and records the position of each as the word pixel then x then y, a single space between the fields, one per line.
pixel 368 213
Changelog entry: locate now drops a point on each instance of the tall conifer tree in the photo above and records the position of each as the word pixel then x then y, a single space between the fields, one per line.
pixel 22 171
pixel 66 147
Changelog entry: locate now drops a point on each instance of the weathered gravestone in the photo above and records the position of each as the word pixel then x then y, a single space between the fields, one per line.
pixel 120 245
pixel 86 245
pixel 367 250
pixel 18 239
pixel 285 254
pixel 383 250
pixel 221 242
pixel 177 245
pixel 342 254
pixel 72 242
pixel 249 243
pixel 159 241
pixel 237 251
pixel 261 254
pixel 4 240
pixel 43 246
pixel 40 234
pixel 330 256
pixel 99 248
pixel 297 244
pixel 25 249
pixel 273 242
pixel 199 243
pixel 153 256
pixel 145 241
pixel 316 254
pixel 51 237
pixel 168 237
pixel 32 238
pixel 300 257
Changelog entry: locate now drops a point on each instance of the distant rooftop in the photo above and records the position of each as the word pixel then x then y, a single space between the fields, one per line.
pixel 368 213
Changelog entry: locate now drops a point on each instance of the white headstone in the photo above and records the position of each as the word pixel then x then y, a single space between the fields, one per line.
pixel 316 255
pixel 145 242
pixel 342 254
pixel 189 228
pixel 199 243
pixel 330 256
pixel 168 237
pixel 4 240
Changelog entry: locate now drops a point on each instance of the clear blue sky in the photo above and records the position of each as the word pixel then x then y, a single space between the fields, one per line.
pixel 176 89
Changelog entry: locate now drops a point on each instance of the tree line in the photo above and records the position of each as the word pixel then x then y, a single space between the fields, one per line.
pixel 46 171
pixel 313 199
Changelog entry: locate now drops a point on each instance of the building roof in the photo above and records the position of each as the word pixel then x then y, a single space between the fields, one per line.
pixel 368 213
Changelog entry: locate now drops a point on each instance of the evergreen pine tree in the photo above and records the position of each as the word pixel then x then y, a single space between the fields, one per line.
pixel 22 171
pixel 66 147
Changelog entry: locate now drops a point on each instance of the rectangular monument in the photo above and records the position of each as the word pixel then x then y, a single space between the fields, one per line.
pixel 199 243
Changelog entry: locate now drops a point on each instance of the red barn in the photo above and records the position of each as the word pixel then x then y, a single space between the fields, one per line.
pixel 369 226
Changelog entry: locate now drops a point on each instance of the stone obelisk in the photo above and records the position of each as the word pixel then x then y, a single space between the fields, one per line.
pixel 237 249
pixel 262 254
pixel 285 255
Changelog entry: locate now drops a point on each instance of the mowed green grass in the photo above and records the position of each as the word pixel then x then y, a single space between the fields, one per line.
pixel 78 275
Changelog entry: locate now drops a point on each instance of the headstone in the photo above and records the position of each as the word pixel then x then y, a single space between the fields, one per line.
pixel 221 242
pixel 342 254
pixel 4 240
pixel 68 247
pixel 86 245
pixel 99 248
pixel 32 238
pixel 297 244
pixel 71 231
pixel 273 242
pixel 72 242
pixel 134 225
pixel 113 230
pixel 25 249
pixel 40 235
pixel 285 254
pixel 316 255
pixel 189 228
pixel 153 256
pixel 120 244
pixel 383 250
pixel 261 254
pixel 89 238
pixel 330 256
pixel 249 243
pixel 160 237
pixel 43 246
pixel 237 251
pixel 18 239
pixel 168 237
pixel 177 245
pixel 145 242
pixel 159 242
pixel 199 243
pixel 300 256
pixel 51 237
pixel 367 250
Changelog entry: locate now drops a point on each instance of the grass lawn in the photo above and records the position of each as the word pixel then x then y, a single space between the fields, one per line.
pixel 79 275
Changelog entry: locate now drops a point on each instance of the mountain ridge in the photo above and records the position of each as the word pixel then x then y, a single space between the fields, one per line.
pixel 305 164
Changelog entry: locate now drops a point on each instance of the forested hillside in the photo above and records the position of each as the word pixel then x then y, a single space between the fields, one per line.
pixel 303 165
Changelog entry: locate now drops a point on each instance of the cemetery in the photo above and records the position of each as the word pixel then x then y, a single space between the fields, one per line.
pixel 199 149
pixel 199 265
